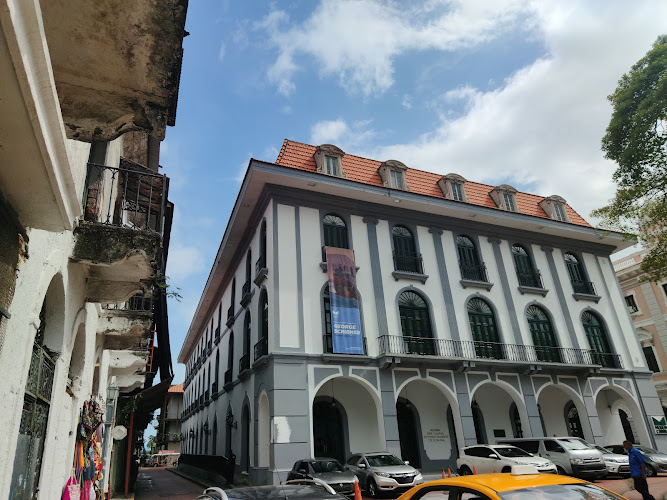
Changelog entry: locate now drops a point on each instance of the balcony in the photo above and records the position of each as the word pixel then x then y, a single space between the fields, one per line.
pixel 120 236
pixel 217 335
pixel 228 379
pixel 244 365
pixel 474 275
pixel 230 316
pixel 210 348
pixel 261 348
pixel 531 282
pixel 328 345
pixel 126 324
pixel 207 397
pixel 214 390
pixel 409 265
pixel 246 294
pixel 584 290
pixel 261 272
pixel 474 350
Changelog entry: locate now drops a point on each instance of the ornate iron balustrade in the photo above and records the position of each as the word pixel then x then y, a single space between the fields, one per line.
pixel 474 272
pixel 140 303
pixel 228 376
pixel 532 278
pixel 328 344
pixel 466 349
pixel 409 262
pixel 244 362
pixel 132 197
pixel 581 286
pixel 261 348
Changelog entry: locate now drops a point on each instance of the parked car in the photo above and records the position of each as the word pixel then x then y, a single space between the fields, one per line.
pixel 571 455
pixel 382 472
pixel 523 483
pixel 615 462
pixel 314 490
pixel 328 470
pixel 485 459
pixel 655 460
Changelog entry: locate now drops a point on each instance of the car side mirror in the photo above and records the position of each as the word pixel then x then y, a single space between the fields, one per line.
pixel 406 462
pixel 493 455
pixel 362 466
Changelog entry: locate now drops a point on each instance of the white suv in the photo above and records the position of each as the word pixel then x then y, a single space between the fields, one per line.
pixel 485 459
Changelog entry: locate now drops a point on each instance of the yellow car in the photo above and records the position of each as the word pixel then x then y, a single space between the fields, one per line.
pixel 523 483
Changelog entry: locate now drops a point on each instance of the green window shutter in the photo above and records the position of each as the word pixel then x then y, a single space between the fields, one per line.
pixel 335 231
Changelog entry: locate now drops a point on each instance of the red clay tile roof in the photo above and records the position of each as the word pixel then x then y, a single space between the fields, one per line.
pixel 176 388
pixel 300 156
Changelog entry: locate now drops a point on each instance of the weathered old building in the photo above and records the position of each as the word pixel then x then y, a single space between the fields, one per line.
pixel 86 93
pixel 483 313
pixel 169 421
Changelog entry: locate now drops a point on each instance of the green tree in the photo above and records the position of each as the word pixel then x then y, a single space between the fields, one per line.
pixel 636 140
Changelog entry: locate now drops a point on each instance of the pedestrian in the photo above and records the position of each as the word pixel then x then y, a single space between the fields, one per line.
pixel 638 470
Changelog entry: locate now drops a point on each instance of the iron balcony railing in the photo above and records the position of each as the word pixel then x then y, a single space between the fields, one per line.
pixel 244 362
pixel 260 264
pixel 261 348
pixel 409 262
pixel 131 197
pixel 466 349
pixel 210 347
pixel 581 286
pixel 214 388
pixel 245 289
pixel 217 334
pixel 473 272
pixel 142 302
pixel 532 278
pixel 201 400
pixel 324 253
pixel 230 312
pixel 207 395
pixel 228 376
pixel 328 344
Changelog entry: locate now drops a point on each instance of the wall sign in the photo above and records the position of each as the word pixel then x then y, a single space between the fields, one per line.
pixel 659 424
pixel 436 436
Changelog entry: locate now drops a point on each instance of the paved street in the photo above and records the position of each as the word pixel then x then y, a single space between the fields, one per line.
pixel 159 483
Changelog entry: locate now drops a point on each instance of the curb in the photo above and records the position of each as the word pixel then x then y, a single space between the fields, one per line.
pixel 193 479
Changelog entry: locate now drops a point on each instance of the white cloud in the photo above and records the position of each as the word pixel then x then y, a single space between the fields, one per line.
pixel 406 102
pixel 222 51
pixel 541 129
pixel 328 131
pixel 357 41
pixel 184 261
pixel 338 132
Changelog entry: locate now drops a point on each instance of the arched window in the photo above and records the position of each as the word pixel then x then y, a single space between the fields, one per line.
pixel 542 332
pixel 415 324
pixel 515 418
pixel 247 330
pixel 248 274
pixel 230 359
pixel 262 346
pixel 471 268
pixel 484 329
pixel 572 419
pixel 599 341
pixel 230 312
pixel 578 277
pixel 335 231
pixel 406 257
pixel 525 271
pixel 206 380
pixel 261 263
pixel 216 385
pixel 328 338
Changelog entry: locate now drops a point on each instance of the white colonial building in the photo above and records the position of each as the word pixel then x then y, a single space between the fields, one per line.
pixel 86 92
pixel 486 313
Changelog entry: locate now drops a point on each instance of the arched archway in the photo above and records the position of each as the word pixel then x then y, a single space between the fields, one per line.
pixel 563 412
pixel 353 403
pixel 245 437
pixel 263 431
pixel 492 412
pixel 620 417
pixel 408 432
pixel 215 435
pixel 77 360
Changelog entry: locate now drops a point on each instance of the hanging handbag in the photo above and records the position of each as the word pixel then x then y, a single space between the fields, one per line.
pixel 72 489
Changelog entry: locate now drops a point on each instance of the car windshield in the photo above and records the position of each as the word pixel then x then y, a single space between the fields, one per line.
pixel 383 460
pixel 561 492
pixel 645 449
pixel 575 444
pixel 605 451
pixel 321 466
pixel 511 451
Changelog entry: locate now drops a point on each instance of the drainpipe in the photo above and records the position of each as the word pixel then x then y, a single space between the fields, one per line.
pixel 130 435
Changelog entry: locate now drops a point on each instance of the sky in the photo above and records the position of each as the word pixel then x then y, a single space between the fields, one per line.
pixel 499 91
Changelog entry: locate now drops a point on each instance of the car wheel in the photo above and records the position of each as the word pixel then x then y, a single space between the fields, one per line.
pixel 372 489
pixel 561 471
pixel 506 469
pixel 465 471
pixel 650 471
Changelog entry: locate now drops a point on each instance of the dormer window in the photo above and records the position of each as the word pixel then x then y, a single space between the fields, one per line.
pixel 392 173
pixel 453 187
pixel 554 207
pixel 505 197
pixel 328 160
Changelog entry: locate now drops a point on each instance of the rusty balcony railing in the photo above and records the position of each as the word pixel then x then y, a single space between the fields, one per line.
pixel 142 302
pixel 131 197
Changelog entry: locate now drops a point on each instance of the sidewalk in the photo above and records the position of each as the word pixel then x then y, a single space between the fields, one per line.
pixel 161 483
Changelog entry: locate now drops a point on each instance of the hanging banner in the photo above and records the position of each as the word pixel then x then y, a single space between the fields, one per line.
pixel 345 316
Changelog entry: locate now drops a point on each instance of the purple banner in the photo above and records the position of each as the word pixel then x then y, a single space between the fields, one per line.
pixel 345 316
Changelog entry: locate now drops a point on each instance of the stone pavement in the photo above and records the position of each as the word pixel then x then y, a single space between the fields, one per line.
pixel 656 485
pixel 160 484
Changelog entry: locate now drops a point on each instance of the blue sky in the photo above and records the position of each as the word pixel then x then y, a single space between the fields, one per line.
pixel 500 91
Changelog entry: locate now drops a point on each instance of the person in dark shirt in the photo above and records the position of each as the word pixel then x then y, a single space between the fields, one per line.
pixel 638 470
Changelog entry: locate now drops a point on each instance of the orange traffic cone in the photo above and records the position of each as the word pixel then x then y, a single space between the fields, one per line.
pixel 357 491
pixel 443 473
pixel 494 471
pixel 474 470
pixel 449 472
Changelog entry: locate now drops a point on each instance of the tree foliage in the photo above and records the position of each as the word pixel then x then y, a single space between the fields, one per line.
pixel 636 140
